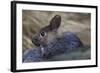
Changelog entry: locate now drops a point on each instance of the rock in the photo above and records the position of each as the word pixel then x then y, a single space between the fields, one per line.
pixel 68 42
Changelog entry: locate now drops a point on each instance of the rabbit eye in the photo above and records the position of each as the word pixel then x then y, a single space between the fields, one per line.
pixel 42 34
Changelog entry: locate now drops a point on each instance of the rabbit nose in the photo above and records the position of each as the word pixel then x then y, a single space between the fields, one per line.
pixel 35 41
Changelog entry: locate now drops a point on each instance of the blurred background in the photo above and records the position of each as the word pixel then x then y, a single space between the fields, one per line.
pixel 78 23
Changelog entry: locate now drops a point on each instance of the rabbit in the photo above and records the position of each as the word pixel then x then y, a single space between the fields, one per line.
pixel 48 37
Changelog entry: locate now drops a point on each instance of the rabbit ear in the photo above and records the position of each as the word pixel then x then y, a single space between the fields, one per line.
pixel 55 22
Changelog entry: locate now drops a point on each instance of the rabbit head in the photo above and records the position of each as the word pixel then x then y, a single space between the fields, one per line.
pixel 47 33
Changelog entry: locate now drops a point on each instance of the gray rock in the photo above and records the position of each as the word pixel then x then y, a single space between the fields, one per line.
pixel 67 43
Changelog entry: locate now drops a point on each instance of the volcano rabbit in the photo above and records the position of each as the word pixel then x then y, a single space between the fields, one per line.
pixel 48 38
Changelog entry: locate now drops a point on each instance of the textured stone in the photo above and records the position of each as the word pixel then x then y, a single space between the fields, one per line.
pixel 68 42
